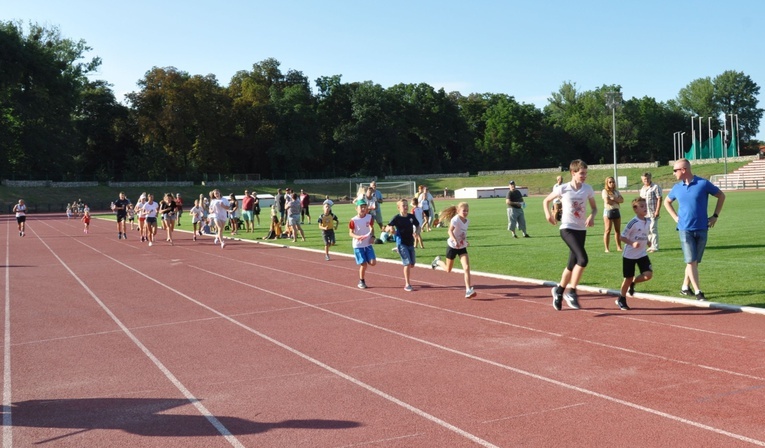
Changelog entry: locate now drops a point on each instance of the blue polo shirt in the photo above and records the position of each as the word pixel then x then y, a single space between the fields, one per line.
pixel 693 199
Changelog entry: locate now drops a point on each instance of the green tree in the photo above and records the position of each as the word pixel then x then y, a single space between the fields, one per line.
pixel 736 93
pixel 42 79
pixel 187 118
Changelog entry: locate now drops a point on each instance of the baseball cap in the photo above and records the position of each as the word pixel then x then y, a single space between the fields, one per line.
pixel 360 202
pixel 512 182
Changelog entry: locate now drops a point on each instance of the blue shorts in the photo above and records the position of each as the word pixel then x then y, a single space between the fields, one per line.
pixel 364 254
pixel 247 215
pixel 693 243
pixel 407 254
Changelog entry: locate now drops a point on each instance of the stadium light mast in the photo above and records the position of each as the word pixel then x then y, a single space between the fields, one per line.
pixel 693 133
pixel 675 152
pixel 698 150
pixel 682 143
pixel 614 100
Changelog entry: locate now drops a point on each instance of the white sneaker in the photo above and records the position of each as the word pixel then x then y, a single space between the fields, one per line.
pixel 470 293
pixel 150 244
pixel 222 244
pixel 215 241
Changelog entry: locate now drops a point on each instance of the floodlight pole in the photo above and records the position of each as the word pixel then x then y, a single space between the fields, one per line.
pixel 693 133
pixel 614 100
pixel 682 142
pixel 698 150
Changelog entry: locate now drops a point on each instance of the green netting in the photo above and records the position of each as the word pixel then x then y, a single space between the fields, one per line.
pixel 711 149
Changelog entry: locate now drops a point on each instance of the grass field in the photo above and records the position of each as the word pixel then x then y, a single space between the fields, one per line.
pixel 733 253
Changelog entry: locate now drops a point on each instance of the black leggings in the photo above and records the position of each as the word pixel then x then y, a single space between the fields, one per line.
pixel 574 239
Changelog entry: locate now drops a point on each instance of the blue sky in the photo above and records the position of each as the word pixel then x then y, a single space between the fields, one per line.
pixel 524 49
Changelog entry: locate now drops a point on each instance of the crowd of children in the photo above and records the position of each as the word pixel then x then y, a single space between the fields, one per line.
pixel 565 206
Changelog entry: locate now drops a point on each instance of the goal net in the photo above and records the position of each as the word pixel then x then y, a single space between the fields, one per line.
pixel 391 190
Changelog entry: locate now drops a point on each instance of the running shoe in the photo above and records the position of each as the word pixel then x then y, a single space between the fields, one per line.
pixel 700 297
pixel 557 298
pixel 326 257
pixel 362 284
pixel 686 292
pixel 631 291
pixel 408 288
pixel 621 302
pixel 434 264
pixel 470 293
pixel 572 299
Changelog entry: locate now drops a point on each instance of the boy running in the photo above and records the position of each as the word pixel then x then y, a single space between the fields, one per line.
pixel 635 238
pixel 362 233
pixel 404 225
pixel 328 223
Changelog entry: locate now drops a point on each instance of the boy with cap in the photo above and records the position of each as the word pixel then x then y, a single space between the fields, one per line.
pixel 362 233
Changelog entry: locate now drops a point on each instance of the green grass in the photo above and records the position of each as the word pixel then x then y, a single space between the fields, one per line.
pixel 43 199
pixel 734 250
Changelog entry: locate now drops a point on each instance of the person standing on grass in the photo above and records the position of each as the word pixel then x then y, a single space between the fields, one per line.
pixel 417 212
pixel 693 224
pixel 328 223
pixel 378 204
pixel 612 218
pixel 428 207
pixel 20 209
pixel 178 209
pixel 652 195
pixel 305 202
pixel 233 212
pixel 362 233
pixel 404 225
pixel 635 238
pixel 574 197
pixel 515 217
pixel 457 244
pixel 248 206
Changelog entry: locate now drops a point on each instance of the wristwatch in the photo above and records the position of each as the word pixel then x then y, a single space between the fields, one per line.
pixel 715 215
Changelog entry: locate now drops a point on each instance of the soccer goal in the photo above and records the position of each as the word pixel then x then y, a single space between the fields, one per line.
pixel 391 190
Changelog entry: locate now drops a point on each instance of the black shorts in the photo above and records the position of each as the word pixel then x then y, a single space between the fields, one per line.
pixel 121 216
pixel 452 253
pixel 20 219
pixel 628 266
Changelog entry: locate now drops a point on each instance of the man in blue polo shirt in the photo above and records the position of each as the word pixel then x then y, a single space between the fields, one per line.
pixel 692 193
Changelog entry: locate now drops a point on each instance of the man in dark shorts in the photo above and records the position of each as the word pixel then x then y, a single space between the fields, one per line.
pixel 120 207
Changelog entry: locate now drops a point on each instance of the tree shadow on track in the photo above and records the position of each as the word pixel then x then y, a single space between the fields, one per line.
pixel 145 417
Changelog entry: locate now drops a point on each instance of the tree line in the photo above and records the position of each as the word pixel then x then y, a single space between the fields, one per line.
pixel 57 124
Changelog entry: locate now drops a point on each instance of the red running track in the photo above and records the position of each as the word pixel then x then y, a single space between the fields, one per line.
pixel 112 343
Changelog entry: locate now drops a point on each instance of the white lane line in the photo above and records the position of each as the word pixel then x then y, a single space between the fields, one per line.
pixel 7 420
pixel 467 355
pixel 503 366
pixel 169 375
pixel 528 414
pixel 378 392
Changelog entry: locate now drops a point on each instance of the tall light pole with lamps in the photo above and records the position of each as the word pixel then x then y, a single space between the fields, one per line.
pixel 614 100
pixel 698 151
pixel 675 154
pixel 693 134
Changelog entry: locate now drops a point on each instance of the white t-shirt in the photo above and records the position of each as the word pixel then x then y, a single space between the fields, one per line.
pixel 21 210
pixel 218 209
pixel 150 209
pixel 425 200
pixel 574 205
pixel 460 233
pixel 636 230
pixel 361 226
